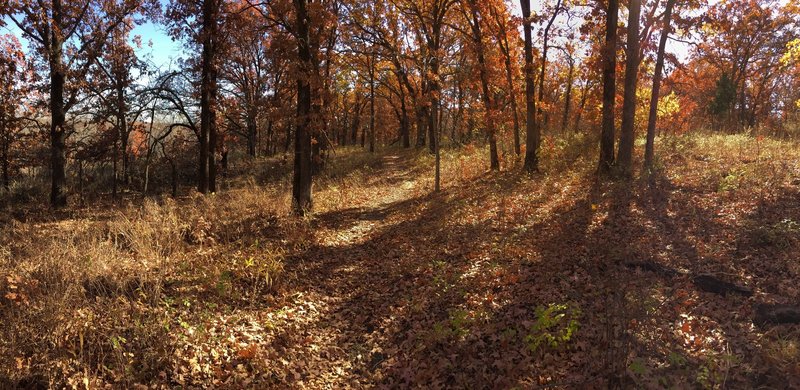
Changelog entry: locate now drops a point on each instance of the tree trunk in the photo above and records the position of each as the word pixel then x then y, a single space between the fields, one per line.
pixel 514 110
pixel 356 124
pixel 421 113
pixel 506 50
pixel 288 140
pixel 252 135
pixel 457 134
pixel 484 76
pixel 405 131
pixel 581 106
pixel 364 138
pixel 208 99
pixel 146 187
pixel 541 119
pixel 301 184
pixel 609 88
pixel 80 181
pixel 434 112
pixel 372 104
pixel 433 116
pixel 5 128
pixel 627 133
pixel 58 140
pixel 6 164
pixel 653 115
pixel 404 125
pixel 532 135
pixel 568 96
pixel 114 158
pixel 122 131
pixel 126 176
pixel 174 176
pixel 58 133
pixel 269 148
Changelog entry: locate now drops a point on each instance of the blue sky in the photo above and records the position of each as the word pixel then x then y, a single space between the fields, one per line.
pixel 162 51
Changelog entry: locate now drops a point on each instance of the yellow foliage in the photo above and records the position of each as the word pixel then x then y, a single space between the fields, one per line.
pixel 668 105
pixel 792 51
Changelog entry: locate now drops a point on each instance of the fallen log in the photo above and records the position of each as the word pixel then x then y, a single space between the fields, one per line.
pixel 767 314
pixel 707 283
pixel 711 284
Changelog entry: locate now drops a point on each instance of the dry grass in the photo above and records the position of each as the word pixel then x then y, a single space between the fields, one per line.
pixel 133 294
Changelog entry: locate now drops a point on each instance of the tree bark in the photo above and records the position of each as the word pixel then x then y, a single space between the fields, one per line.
pixel 372 103
pixel 269 146
pixel 252 135
pixel 433 116
pixel 653 115
pixel 208 91
pixel 457 134
pixel 532 135
pixel 80 181
pixel 435 105
pixel 541 119
pixel 505 48
pixel 568 96
pixel 484 76
pixel 582 105
pixel 122 134
pixel 5 128
pixel 421 113
pixel 122 128
pixel 404 125
pixel 356 124
pixel 114 168
pixel 174 176
pixel 301 184
pixel 609 88
pixel 58 133
pixel 405 131
pixel 627 133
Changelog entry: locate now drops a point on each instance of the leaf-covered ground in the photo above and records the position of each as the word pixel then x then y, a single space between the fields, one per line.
pixel 502 280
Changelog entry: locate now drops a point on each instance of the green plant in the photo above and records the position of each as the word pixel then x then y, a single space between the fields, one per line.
pixel 676 360
pixel 264 271
pixel 454 327
pixel 714 371
pixel 555 325
pixel 780 234
pixel 729 182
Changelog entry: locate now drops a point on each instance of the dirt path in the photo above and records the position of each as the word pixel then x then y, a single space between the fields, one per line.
pixel 410 292
pixel 347 289
pixel 453 290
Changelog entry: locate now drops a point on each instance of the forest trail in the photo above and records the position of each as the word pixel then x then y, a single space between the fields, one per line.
pixel 501 280
pixel 451 289
pixel 349 287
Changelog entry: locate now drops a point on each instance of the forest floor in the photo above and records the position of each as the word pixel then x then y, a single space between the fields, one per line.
pixel 501 280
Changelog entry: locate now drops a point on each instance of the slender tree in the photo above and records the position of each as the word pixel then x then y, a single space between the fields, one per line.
pixel 609 88
pixel 474 19
pixel 657 75
pixel 568 53
pixel 627 133
pixel 541 120
pixel 12 64
pixel 301 184
pixel 503 26
pixel 532 135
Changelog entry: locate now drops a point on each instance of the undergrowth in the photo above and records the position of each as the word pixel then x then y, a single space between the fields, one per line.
pixel 123 295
